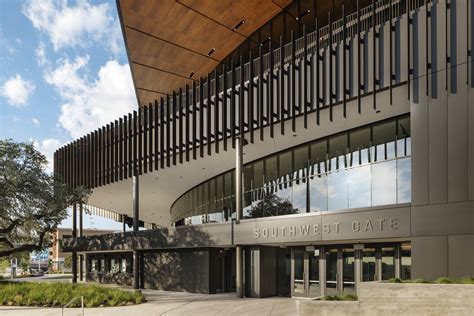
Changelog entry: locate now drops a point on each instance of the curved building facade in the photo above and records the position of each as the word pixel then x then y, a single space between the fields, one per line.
pixel 285 148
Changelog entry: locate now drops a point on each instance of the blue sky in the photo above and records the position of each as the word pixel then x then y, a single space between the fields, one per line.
pixel 63 73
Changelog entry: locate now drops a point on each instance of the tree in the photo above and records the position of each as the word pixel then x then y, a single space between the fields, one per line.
pixel 272 205
pixel 32 201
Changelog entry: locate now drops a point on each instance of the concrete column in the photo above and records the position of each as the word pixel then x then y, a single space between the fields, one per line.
pixel 378 264
pixel 238 205
pixel 322 270
pixel 398 261
pixel 357 267
pixel 81 257
pixel 74 235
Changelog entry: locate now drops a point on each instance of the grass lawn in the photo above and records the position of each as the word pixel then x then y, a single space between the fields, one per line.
pixel 442 280
pixel 58 294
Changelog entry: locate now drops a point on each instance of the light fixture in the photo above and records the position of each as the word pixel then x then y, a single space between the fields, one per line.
pixel 191 75
pixel 238 25
pixel 303 14
pixel 211 52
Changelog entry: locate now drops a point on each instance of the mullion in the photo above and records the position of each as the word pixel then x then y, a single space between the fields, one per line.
pixel 150 137
pixel 180 124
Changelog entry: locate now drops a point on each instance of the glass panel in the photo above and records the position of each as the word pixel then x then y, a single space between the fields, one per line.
pixel 404 180
pixel 123 267
pixel 318 193
pixel 285 163
pixel 368 265
pixel 338 194
pixel 337 146
pixel 299 196
pixel 313 274
pixel 359 186
pixel 348 281
pixel 248 178
pixel 301 158
pixel 405 272
pixel 318 151
pixel 271 169
pixel 258 174
pixel 359 139
pixel 298 286
pixel 281 202
pixel 384 132
pixel 384 183
pixel 388 263
pixel 331 271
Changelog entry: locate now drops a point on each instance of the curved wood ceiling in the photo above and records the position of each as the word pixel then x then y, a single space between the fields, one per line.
pixel 167 40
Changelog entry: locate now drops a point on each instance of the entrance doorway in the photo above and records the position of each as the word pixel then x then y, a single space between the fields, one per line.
pixel 305 272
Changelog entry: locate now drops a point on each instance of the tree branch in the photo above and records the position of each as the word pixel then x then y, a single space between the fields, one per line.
pixel 10 227
pixel 26 247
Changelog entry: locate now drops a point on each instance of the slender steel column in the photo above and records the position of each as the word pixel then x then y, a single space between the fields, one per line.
pixel 398 261
pixel 135 197
pixel 136 255
pixel 124 223
pixel 74 235
pixel 136 272
pixel 238 205
pixel 81 257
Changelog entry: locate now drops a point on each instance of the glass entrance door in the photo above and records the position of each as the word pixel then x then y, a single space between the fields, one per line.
pixel 348 280
pixel 331 271
pixel 305 273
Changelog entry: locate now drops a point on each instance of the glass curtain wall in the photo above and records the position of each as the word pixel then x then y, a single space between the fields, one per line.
pixel 368 166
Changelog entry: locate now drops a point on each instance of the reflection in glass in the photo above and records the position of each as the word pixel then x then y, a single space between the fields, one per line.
pixel 388 263
pixel 404 180
pixel 338 190
pixel 331 271
pixel 358 186
pixel 318 193
pixel 368 265
pixel 405 273
pixel 384 183
pixel 298 286
pixel 299 196
pixel 348 281
pixel 313 273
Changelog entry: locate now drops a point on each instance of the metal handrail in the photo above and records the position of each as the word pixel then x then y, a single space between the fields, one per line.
pixel 71 301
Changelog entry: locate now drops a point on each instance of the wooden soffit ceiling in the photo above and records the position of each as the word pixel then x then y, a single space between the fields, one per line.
pixel 167 40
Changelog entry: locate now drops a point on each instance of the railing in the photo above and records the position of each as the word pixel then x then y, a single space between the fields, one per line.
pixel 72 301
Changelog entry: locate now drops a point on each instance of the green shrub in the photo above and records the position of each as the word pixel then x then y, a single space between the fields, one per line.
pixel 345 297
pixel 467 281
pixel 444 280
pixel 420 281
pixel 58 294
pixel 394 280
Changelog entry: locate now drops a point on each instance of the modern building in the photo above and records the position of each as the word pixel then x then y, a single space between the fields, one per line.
pixel 55 251
pixel 286 147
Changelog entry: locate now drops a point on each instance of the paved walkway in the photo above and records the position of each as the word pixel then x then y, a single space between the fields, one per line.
pixel 178 303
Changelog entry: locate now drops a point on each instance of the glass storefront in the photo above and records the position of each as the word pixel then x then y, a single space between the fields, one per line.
pixel 369 166
pixel 344 266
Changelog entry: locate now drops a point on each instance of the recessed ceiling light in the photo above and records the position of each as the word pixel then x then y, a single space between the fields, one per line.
pixel 203 168
pixel 211 52
pixel 238 25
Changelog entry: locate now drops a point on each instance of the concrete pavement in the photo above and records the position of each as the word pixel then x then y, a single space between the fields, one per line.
pixel 178 303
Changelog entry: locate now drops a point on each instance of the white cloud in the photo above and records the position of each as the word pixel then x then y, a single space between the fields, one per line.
pixel 41 55
pixel 91 103
pixel 74 25
pixel 17 90
pixel 47 147
pixel 35 121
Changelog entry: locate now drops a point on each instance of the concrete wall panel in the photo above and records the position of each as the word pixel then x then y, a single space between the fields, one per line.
pixel 429 257
pixel 461 255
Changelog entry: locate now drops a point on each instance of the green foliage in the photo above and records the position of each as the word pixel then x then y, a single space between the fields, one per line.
pixel 272 205
pixel 345 297
pixel 419 280
pixel 32 201
pixel 58 294
pixel 394 280
pixel 68 261
pixel 444 280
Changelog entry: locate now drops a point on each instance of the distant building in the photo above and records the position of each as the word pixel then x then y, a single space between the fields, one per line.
pixel 56 255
